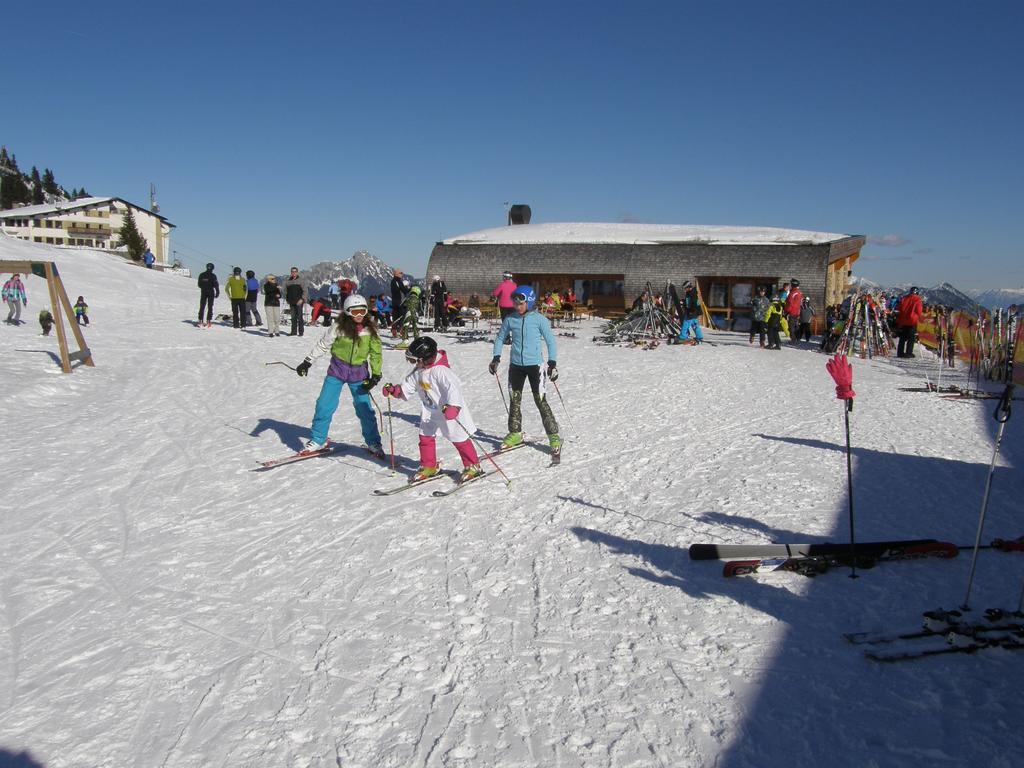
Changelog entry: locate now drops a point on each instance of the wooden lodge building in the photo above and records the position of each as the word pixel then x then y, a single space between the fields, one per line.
pixel 609 265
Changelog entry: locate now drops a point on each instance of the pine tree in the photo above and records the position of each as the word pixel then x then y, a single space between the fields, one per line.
pixel 131 237
pixel 50 186
pixel 37 188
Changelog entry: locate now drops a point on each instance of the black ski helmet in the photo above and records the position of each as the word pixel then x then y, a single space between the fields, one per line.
pixel 423 348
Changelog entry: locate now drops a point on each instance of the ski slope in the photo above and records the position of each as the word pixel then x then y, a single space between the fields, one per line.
pixel 163 604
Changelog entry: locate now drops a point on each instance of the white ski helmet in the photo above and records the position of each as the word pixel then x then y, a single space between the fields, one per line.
pixel 354 301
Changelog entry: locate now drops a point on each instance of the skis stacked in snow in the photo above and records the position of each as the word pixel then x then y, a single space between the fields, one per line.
pixel 945 632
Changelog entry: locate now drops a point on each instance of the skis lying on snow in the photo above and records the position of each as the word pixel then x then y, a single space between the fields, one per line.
pixel 739 551
pixel 812 559
pixel 944 632
pixel 812 565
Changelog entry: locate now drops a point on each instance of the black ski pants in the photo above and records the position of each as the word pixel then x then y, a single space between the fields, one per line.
pixel 298 324
pixel 206 305
pixel 238 314
pixel 905 348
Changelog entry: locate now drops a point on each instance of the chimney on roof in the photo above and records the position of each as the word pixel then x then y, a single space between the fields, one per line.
pixel 519 214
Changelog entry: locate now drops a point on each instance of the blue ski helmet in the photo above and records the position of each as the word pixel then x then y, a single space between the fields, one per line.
pixel 524 293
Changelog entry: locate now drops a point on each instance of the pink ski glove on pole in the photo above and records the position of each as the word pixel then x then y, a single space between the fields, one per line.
pixel 393 390
pixel 451 412
pixel 841 371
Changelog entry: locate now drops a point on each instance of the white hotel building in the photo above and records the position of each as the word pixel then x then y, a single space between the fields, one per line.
pixel 89 222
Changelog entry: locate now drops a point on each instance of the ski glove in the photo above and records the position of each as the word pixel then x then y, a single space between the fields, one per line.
pixel 392 390
pixel 552 371
pixel 370 383
pixel 493 367
pixel 451 412
pixel 303 367
pixel 842 373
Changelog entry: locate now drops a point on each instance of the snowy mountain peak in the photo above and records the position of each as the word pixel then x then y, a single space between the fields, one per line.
pixel 371 274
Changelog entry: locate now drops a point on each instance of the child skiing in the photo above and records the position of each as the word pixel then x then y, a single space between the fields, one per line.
pixel 443 408
pixel 355 360
pixel 81 311
pixel 527 327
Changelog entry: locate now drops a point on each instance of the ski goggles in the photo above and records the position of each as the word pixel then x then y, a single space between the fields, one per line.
pixel 357 311
pixel 518 298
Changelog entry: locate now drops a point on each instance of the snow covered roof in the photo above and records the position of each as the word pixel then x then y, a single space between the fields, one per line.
pixel 69 206
pixel 642 234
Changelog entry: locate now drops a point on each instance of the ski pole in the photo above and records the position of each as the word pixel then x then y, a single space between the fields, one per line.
pixel 278 362
pixel 380 413
pixel 508 482
pixel 567 416
pixel 502 391
pixel 391 434
pixel 1001 415
pixel 849 488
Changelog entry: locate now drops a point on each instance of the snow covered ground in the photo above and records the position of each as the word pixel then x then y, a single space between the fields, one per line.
pixel 162 604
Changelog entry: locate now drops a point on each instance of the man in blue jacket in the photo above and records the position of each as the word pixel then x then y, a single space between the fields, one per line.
pixel 527 328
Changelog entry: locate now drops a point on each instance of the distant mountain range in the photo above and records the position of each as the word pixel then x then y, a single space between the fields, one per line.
pixel 948 295
pixel 371 274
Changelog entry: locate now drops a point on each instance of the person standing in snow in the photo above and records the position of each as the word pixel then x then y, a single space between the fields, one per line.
pixel 758 311
pixel 398 293
pixel 907 315
pixel 148 259
pixel 691 317
pixel 411 309
pixel 356 358
pixel 209 289
pixel 272 305
pixel 252 293
pixel 526 329
pixel 14 294
pixel 237 292
pixel 806 315
pixel 295 295
pixel 773 322
pixel 81 311
pixel 442 408
pixel 333 291
pixel 438 294
pixel 503 295
pixel 793 302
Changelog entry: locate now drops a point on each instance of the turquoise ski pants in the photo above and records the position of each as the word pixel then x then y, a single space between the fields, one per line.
pixel 327 404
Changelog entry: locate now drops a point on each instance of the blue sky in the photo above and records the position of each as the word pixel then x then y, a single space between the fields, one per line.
pixel 280 135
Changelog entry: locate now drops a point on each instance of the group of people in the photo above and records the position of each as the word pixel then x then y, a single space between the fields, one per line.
pixel 16 297
pixel 244 293
pixel 788 311
pixel 356 361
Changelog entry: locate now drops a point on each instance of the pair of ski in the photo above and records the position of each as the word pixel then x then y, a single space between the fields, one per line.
pixel 813 559
pixel 944 632
pixel 440 475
